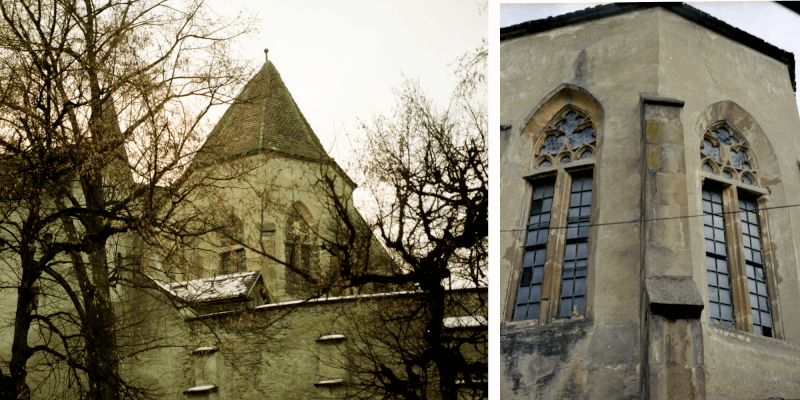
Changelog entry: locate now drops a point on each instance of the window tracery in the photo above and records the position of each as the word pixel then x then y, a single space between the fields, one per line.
pixel 298 251
pixel 725 152
pixel 570 136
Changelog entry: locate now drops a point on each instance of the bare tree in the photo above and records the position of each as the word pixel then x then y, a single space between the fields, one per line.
pixel 426 170
pixel 101 109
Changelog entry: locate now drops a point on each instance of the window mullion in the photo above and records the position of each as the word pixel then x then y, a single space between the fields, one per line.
pixel 768 263
pixel 742 320
pixel 551 287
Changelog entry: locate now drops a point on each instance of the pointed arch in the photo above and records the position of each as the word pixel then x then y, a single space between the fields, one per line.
pixel 566 125
pixel 299 249
pixel 728 128
pixel 742 274
pixel 302 211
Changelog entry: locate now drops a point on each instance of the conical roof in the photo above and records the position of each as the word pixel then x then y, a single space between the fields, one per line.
pixel 264 116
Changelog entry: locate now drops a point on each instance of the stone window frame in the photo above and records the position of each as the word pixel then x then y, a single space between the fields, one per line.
pixel 562 175
pixel 299 247
pixel 236 258
pixel 732 190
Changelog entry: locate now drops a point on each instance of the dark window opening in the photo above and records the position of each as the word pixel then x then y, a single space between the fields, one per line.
pixel 756 279
pixel 720 299
pixel 225 262
pixel 576 252
pixel 530 284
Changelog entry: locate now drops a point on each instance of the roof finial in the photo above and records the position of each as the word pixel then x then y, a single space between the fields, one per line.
pixel 265 54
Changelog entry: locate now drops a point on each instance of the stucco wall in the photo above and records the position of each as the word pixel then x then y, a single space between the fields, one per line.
pixel 269 353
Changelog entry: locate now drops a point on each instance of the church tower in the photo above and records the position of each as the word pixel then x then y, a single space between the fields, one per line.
pixel 276 202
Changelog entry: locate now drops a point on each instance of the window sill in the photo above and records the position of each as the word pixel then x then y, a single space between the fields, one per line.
pixel 747 336
pixel 535 322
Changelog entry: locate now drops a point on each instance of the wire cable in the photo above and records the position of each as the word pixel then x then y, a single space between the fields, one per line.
pixel 640 220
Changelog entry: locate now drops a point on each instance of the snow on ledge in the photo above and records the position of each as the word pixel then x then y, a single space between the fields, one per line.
pixel 470 321
pixel 336 298
pixel 205 349
pixel 330 382
pixel 201 389
pixel 337 336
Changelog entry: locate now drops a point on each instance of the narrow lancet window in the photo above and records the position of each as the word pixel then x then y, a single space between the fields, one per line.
pixel 530 283
pixel 756 280
pixel 576 252
pixel 720 302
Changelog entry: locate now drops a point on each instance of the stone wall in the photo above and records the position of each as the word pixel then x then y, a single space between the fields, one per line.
pixel 279 351
pixel 607 67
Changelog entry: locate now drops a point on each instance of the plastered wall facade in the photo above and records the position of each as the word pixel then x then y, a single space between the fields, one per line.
pixel 652 83
pixel 280 351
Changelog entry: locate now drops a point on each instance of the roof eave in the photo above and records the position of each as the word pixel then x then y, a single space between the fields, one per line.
pixel 683 10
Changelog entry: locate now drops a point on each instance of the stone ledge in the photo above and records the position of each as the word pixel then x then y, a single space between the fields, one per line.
pixel 661 101
pixel 674 297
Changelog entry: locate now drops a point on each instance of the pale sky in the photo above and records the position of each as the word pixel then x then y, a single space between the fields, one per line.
pixel 340 60
pixel 769 21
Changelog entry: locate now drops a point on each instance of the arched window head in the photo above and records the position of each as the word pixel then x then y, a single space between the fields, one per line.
pixel 297 229
pixel 233 230
pixel 724 151
pixel 298 252
pixel 569 136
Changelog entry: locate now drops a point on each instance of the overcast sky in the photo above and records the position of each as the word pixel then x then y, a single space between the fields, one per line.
pixel 340 60
pixel 768 21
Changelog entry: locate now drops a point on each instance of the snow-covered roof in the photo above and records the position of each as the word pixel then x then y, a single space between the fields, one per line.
pixel 465 322
pixel 220 287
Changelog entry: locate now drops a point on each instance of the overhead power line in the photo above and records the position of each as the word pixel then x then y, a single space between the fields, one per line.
pixel 640 220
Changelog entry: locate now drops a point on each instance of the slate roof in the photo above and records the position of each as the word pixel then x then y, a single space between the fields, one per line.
pixel 221 287
pixel 264 116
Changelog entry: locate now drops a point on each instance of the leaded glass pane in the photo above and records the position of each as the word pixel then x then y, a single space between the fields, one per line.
pixel 724 136
pixel 719 298
pixel 576 251
pixel 756 280
pixel 523 294
pixel 739 158
pixel 569 128
pixel 565 308
pixel 530 289
pixel 710 150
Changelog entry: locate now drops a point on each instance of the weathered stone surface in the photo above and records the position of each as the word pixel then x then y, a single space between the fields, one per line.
pixel 657 80
pixel 674 296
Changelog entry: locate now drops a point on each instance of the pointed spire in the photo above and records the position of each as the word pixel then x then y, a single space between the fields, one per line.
pixel 264 116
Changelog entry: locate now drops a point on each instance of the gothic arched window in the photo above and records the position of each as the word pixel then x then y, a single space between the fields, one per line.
pixel 568 137
pixel 738 295
pixel 554 274
pixel 297 251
